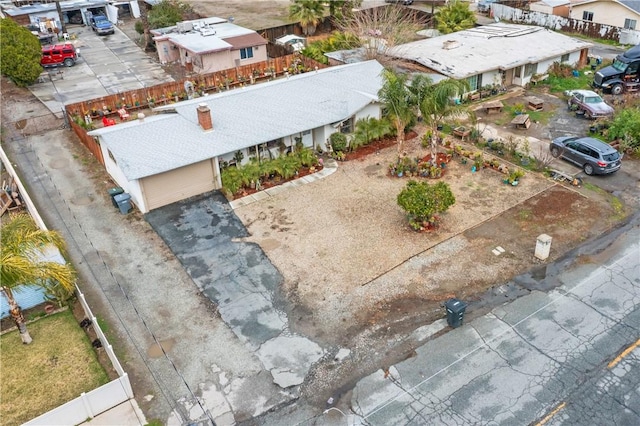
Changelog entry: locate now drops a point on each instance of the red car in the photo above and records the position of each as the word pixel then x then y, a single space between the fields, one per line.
pixel 59 54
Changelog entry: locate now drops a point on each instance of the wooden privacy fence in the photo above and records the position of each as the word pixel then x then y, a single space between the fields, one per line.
pixel 175 91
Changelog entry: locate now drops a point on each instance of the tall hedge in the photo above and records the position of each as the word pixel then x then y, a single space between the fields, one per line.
pixel 20 53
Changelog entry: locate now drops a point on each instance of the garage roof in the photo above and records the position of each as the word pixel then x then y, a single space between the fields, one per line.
pixel 242 118
pixel 490 47
pixel 40 7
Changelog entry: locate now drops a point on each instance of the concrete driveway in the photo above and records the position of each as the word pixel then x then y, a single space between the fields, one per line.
pixel 107 64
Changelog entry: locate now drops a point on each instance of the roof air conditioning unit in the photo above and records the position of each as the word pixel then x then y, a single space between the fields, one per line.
pixel 184 27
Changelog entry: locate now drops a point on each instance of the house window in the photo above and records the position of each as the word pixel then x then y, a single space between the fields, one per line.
pixel 347 126
pixel 475 81
pixel 530 69
pixel 246 53
pixel 564 58
pixel 630 24
pixel 587 16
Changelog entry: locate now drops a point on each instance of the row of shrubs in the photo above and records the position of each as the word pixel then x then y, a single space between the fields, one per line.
pixel 283 167
pixel 366 130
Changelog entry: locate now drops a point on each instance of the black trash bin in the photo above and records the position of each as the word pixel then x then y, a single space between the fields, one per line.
pixel 113 192
pixel 455 312
pixel 122 200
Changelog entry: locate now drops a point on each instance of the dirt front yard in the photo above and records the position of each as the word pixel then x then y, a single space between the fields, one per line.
pixel 351 261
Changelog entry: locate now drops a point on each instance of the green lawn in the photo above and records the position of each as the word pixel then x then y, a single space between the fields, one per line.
pixel 57 367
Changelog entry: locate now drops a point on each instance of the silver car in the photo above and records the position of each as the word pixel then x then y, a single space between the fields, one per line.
pixel 593 155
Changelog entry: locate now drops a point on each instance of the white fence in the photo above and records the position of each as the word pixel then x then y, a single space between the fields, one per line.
pixel 554 22
pixel 90 404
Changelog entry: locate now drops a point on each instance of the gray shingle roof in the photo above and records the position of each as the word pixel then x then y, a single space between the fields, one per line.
pixel 487 48
pixel 241 118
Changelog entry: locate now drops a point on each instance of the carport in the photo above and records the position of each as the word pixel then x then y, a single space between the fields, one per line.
pixel 74 12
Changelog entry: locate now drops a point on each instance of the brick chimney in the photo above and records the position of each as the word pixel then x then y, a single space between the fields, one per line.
pixel 204 117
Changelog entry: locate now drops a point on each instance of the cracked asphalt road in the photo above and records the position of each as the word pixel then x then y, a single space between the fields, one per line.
pixel 522 360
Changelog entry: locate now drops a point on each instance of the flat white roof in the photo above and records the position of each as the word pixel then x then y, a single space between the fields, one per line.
pixel 489 47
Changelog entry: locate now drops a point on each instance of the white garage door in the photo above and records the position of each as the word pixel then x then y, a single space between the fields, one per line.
pixel 175 185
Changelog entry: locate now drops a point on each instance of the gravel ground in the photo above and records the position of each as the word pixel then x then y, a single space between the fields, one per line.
pixel 344 244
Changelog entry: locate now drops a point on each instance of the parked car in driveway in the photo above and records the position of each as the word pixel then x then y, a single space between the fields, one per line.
pixel 59 54
pixel 593 155
pixel 588 103
pixel 101 25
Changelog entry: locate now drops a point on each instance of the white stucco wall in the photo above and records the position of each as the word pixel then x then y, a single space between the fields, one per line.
pixel 606 12
pixel 131 187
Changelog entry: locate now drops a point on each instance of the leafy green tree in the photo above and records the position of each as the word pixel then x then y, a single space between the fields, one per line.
pixel 455 16
pixel 423 201
pixel 20 53
pixel 336 41
pixel 167 13
pixel 342 8
pixel 21 264
pixel 625 127
pixel 308 12
pixel 398 101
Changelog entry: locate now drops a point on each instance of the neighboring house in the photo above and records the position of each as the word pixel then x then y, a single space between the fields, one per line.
pixel 552 7
pixel 617 13
pixel 46 16
pixel 209 44
pixel 177 153
pixel 496 54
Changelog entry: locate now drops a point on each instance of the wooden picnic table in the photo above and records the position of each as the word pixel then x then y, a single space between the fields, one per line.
pixel 521 121
pixel 493 106
pixel 535 104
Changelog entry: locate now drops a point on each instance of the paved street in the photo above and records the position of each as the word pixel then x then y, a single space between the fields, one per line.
pixel 522 360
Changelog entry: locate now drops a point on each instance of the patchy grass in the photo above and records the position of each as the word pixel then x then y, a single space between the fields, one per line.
pixel 560 84
pixel 619 211
pixel 57 367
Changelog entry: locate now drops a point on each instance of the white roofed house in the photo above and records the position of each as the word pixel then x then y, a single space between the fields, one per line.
pixel 177 152
pixel 497 54
pixel 209 44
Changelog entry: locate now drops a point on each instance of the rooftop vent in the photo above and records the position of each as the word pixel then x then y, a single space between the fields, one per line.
pixel 450 44
pixel 207 32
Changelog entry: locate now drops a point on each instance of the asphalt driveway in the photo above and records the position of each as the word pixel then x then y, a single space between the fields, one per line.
pixel 206 236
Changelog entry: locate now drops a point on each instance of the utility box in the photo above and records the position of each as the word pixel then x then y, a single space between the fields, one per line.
pixel 123 202
pixel 455 312
pixel 543 246
pixel 113 192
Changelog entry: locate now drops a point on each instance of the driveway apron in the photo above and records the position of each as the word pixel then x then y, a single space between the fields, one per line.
pixel 206 236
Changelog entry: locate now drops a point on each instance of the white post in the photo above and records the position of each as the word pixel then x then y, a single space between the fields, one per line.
pixel 543 246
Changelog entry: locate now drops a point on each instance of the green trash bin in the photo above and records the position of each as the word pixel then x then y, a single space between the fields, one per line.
pixel 455 312
pixel 113 192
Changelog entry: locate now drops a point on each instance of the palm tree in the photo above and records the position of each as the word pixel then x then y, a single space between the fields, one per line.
pixel 437 101
pixel 308 12
pixel 21 263
pixel 455 16
pixel 398 100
